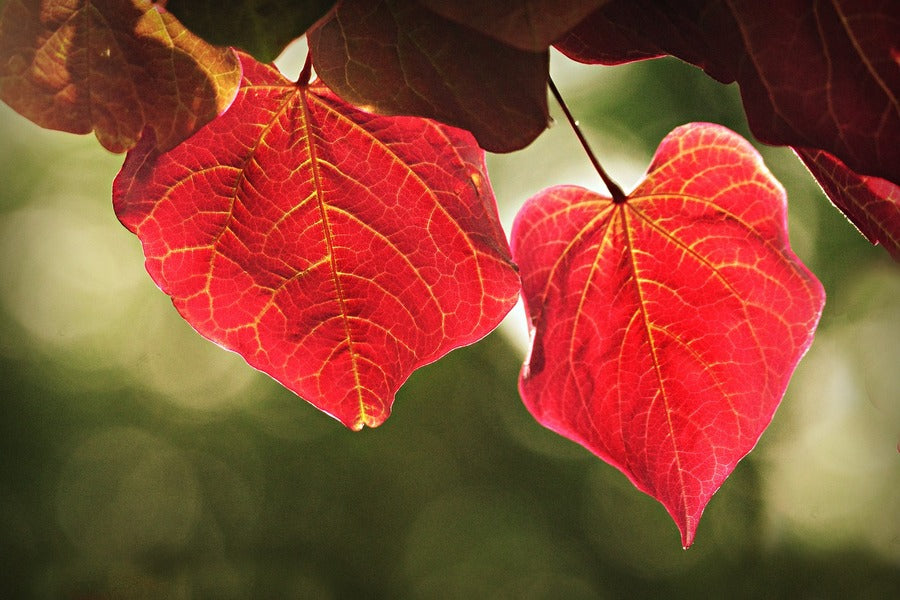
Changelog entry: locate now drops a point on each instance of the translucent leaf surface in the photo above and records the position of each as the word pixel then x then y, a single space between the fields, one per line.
pixel 336 250
pixel 666 327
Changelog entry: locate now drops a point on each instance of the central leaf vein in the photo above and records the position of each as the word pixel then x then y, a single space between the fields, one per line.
pixel 329 249
pixel 626 227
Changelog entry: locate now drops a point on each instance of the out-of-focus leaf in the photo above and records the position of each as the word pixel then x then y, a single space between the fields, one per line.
pixel 525 24
pixel 334 249
pixel 399 58
pixel 113 67
pixel 871 203
pixel 261 27
pixel 666 327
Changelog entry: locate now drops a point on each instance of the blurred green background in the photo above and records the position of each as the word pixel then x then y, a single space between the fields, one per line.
pixel 138 460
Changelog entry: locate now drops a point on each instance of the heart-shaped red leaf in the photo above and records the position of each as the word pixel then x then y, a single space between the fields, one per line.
pixel 871 203
pixel 113 67
pixel 666 327
pixel 334 249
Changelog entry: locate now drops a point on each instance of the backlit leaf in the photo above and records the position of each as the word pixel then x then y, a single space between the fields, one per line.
pixel 398 58
pixel 333 249
pixel 815 75
pixel 525 24
pixel 872 204
pixel 261 27
pixel 113 67
pixel 665 328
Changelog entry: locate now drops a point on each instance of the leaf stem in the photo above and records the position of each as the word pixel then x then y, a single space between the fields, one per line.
pixel 306 73
pixel 615 191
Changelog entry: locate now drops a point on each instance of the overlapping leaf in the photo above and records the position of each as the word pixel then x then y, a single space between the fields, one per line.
pixel 838 91
pixel 334 249
pixel 622 31
pixel 113 67
pixel 666 327
pixel 525 24
pixel 399 58
pixel 261 27
pixel 873 204
pixel 813 75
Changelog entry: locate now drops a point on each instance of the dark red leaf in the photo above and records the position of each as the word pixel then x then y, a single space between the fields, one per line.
pixel 665 328
pixel 113 67
pixel 398 58
pixel 621 32
pixel 819 75
pixel 524 24
pixel 333 249
pixel 872 204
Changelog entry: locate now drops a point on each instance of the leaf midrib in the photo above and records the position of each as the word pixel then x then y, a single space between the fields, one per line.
pixel 332 258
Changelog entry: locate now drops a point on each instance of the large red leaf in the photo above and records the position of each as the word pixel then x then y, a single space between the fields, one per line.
pixel 666 327
pixel 823 76
pixel 399 58
pixel 334 249
pixel 873 204
pixel 113 67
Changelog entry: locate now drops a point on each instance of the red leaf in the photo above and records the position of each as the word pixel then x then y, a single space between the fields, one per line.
pixel 113 67
pixel 666 328
pixel 872 204
pixel 333 249
pixel 401 59
pixel 812 74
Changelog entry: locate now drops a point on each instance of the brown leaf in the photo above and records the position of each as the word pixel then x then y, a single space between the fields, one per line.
pixel 113 67
pixel 524 24
pixel 398 58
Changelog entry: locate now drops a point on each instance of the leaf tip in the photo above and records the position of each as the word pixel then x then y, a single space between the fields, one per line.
pixel 687 536
pixel 366 416
pixel 687 520
pixel 358 422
